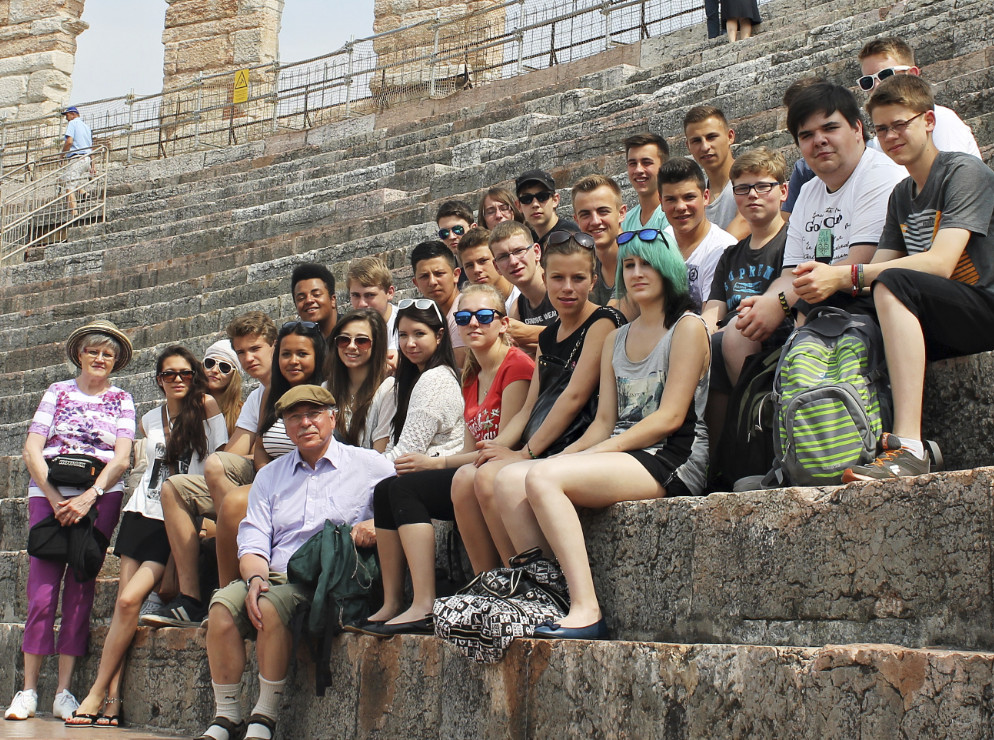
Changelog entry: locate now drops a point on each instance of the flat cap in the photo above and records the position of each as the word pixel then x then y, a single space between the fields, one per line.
pixel 304 394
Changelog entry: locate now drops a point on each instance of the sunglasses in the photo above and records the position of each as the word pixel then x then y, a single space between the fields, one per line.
pixel 171 376
pixel 761 188
pixel 344 340
pixel 561 237
pixel 483 316
pixel 542 197
pixel 422 304
pixel 645 235
pixel 443 234
pixel 866 81
pixel 289 326
pixel 223 367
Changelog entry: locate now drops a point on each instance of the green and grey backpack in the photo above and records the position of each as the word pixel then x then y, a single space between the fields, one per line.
pixel 831 396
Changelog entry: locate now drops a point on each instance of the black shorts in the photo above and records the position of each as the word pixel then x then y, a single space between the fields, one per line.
pixel 662 470
pixel 142 539
pixel 956 319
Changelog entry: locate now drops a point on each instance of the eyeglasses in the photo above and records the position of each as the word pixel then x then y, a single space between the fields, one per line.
pixel 443 234
pixel 344 340
pixel 100 354
pixel 646 235
pixel 518 254
pixel 171 376
pixel 866 81
pixel 223 367
pixel 561 237
pixel 422 304
pixel 761 188
pixel 483 316
pixel 494 210
pixel 305 325
pixel 898 127
pixel 310 417
pixel 542 197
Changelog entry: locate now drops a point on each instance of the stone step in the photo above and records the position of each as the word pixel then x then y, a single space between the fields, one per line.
pixel 423 687
pixel 906 561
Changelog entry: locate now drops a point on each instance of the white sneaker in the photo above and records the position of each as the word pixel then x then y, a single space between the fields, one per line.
pixel 23 706
pixel 64 705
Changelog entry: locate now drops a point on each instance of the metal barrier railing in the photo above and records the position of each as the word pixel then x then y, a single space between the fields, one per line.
pixel 432 58
pixel 39 201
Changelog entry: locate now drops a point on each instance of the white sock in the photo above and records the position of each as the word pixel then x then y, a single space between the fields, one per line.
pixel 226 697
pixel 914 446
pixel 270 696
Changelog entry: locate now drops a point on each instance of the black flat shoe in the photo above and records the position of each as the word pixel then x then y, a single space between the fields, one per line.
pixel 424 626
pixel 365 627
pixel 552 631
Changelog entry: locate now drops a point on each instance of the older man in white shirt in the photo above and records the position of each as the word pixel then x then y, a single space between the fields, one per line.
pixel 289 502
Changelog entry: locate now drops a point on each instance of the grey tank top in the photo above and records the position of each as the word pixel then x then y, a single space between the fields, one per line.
pixel 640 388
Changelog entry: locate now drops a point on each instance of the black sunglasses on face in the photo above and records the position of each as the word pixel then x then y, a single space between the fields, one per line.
pixel 171 375
pixel 646 235
pixel 443 234
pixel 483 316
pixel 561 237
pixel 223 367
pixel 527 198
pixel 344 340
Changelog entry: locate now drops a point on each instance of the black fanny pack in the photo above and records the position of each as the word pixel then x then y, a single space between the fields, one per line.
pixel 78 471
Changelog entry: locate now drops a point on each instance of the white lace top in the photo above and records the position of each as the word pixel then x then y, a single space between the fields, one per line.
pixel 434 424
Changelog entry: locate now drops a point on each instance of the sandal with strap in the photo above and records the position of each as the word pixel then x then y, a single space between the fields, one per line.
pixel 235 730
pixel 109 720
pixel 86 720
pixel 260 719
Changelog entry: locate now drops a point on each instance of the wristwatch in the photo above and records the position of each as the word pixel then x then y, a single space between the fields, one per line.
pixel 98 489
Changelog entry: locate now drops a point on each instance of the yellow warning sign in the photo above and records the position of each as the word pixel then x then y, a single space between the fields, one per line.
pixel 241 87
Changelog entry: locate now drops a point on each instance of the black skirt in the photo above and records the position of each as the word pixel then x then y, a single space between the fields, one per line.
pixel 740 9
pixel 142 539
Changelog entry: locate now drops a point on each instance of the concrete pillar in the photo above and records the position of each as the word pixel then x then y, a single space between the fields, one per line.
pixel 422 60
pixel 37 53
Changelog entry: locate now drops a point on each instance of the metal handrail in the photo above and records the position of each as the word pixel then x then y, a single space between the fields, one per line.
pixel 39 208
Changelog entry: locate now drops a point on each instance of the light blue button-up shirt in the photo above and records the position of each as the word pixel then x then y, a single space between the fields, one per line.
pixel 290 501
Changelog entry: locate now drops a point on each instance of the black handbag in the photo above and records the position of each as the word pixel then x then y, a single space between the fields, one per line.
pixel 81 545
pixel 78 471
pixel 553 377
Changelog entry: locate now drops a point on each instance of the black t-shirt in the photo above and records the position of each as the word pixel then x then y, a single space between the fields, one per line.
pixel 563 224
pixel 571 345
pixel 543 315
pixel 743 271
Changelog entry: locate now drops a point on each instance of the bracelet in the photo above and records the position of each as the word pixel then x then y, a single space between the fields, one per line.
pixel 854 273
pixel 783 303
pixel 531 454
pixel 248 581
pixel 860 279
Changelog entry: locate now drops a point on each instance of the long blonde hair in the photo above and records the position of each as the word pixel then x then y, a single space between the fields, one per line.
pixel 472 366
pixel 230 401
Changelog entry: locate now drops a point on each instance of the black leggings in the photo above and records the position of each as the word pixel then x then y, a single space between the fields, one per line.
pixel 415 498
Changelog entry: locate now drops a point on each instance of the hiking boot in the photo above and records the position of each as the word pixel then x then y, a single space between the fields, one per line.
pixel 182 611
pixel 893 462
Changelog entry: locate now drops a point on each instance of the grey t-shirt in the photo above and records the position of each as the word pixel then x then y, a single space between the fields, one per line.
pixel 958 194
pixel 722 210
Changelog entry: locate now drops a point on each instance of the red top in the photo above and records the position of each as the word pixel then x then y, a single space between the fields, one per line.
pixel 483 419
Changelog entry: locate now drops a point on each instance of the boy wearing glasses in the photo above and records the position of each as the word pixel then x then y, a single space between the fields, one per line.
pixel 516 255
pixel 888 56
pixel 932 277
pixel 538 201
pixel 759 186
pixel 685 196
pixel 454 218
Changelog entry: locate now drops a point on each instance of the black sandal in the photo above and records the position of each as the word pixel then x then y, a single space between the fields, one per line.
pixel 235 730
pixel 260 719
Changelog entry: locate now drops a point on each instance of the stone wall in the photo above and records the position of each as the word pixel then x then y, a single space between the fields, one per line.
pixel 37 53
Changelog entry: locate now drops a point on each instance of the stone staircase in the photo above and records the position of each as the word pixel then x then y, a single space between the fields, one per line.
pixel 736 615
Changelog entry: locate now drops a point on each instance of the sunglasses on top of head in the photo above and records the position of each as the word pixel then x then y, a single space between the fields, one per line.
pixel 526 198
pixel 483 316
pixel 422 304
pixel 289 326
pixel 866 81
pixel 223 367
pixel 645 235
pixel 458 230
pixel 561 237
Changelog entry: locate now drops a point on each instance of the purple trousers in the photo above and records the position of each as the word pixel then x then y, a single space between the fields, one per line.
pixel 44 580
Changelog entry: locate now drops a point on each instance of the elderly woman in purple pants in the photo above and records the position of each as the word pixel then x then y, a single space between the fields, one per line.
pixel 84 416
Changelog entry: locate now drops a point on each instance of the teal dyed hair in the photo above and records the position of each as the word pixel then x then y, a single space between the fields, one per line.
pixel 665 259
